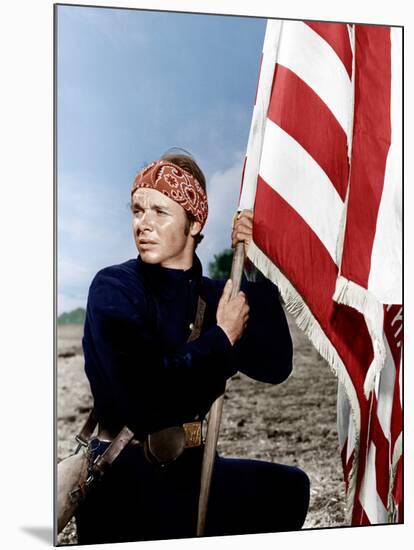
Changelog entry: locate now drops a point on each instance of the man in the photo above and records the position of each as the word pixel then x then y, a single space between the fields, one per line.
pixel 149 370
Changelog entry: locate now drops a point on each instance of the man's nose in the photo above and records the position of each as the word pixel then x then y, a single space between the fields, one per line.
pixel 145 221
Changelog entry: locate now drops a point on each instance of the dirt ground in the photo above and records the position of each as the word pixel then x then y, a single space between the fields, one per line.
pixel 293 423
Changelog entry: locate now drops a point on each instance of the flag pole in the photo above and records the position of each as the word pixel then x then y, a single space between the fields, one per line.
pixel 214 418
pixel 253 156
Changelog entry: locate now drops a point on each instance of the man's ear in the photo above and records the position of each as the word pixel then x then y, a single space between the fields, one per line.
pixel 195 228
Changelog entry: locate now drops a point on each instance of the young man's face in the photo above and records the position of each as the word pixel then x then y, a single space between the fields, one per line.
pixel 159 226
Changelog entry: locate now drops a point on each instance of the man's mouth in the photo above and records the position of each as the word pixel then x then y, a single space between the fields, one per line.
pixel 145 242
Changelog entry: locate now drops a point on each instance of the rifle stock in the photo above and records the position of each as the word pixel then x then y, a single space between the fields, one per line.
pixel 72 473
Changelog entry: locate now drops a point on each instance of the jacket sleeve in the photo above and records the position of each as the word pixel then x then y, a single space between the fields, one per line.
pixel 129 358
pixel 265 350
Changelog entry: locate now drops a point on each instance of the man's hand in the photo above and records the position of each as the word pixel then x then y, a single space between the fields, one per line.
pixel 243 229
pixel 232 313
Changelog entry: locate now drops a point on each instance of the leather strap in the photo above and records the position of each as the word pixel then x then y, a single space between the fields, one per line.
pixel 103 461
pixel 101 464
pixel 87 430
pixel 193 434
pixel 198 323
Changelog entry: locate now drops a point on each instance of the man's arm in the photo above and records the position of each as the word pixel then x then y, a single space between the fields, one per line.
pixel 144 381
pixel 265 350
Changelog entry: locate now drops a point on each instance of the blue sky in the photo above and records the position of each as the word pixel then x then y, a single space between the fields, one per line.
pixel 131 84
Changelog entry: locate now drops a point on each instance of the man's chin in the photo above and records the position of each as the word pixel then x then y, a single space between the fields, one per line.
pixel 149 258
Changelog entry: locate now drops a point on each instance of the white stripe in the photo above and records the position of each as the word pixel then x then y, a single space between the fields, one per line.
pixel 397 451
pixel 257 128
pixel 351 441
pixel 343 411
pixel 368 497
pixel 313 60
pixel 299 179
pixel 346 428
pixel 385 278
pixel 385 394
pixel 396 456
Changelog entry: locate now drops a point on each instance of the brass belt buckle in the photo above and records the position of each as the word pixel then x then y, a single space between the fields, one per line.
pixel 192 434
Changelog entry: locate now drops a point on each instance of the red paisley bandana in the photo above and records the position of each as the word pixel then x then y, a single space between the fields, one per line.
pixel 177 184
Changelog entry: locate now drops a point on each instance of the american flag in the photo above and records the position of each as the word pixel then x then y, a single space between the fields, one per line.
pixel 323 175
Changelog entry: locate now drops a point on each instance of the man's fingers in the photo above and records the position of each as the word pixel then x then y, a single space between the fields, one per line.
pixel 227 290
pixel 247 212
pixel 242 231
pixel 244 217
pixel 243 225
pixel 242 235
pixel 246 220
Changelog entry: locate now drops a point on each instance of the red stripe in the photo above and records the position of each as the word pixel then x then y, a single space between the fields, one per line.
pixel 364 519
pixel 344 451
pixel 289 242
pixel 337 36
pixel 359 516
pixel 371 141
pixel 347 464
pixel 396 415
pixel 389 330
pixel 300 112
pixel 356 512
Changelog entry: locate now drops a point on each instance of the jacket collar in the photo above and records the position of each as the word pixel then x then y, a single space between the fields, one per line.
pixel 168 282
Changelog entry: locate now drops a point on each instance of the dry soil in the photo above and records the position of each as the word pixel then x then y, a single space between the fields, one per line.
pixel 293 423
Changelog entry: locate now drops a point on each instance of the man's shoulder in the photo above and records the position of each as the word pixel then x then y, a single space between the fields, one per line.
pixel 118 290
pixel 129 268
pixel 125 276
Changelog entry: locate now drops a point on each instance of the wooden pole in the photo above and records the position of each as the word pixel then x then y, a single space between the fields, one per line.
pixel 214 418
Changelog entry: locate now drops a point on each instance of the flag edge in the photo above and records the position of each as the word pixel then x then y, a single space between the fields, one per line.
pixel 304 319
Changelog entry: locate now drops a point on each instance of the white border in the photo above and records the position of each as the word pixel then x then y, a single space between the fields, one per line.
pixel 27 263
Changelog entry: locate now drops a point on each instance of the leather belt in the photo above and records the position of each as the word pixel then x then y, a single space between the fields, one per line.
pixel 108 436
pixel 192 432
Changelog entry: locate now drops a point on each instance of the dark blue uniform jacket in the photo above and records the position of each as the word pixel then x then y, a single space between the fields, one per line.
pixel 141 369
